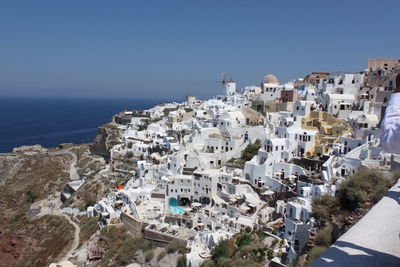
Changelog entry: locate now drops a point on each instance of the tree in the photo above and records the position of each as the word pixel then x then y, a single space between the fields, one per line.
pixel 323 207
pixel 364 185
pixel 270 254
pixel 324 237
pixel 224 249
pixel 251 150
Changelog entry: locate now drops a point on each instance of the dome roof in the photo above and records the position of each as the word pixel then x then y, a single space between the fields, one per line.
pixel 270 78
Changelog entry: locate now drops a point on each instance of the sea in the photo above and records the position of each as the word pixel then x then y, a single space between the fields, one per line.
pixel 52 121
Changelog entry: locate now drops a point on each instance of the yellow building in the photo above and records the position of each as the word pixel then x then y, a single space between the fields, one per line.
pixel 329 130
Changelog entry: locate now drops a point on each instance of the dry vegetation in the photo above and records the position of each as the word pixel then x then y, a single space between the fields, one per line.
pixel 248 248
pixel 88 226
pixel 34 242
pixel 23 180
pixel 89 194
pixel 121 248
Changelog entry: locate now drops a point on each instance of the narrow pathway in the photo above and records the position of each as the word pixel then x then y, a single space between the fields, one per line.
pixel 52 205
pixel 73 173
pixel 75 243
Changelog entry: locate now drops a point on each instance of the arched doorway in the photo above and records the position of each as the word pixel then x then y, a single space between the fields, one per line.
pixel 184 201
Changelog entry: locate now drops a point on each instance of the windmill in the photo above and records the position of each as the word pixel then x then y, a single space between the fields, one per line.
pixel 224 81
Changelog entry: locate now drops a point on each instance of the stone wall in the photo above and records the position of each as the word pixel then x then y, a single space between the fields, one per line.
pixel 162 237
pixel 133 225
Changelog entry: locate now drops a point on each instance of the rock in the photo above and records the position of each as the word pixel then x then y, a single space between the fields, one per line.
pixel 35 149
pixel 107 136
pixel 33 212
pixel 66 145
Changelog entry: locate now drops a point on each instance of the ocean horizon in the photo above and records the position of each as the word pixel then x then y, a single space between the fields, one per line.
pixel 50 121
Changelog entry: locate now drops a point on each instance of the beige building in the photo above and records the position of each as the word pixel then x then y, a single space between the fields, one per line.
pixel 315 77
pixel 383 63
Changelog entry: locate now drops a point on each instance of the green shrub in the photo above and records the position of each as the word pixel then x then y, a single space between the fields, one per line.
pixel 251 150
pixel 323 207
pixel 364 185
pixel 324 237
pixel 129 154
pixel 243 240
pixel 270 254
pixel 260 233
pixel 130 145
pixel 244 251
pixel 224 249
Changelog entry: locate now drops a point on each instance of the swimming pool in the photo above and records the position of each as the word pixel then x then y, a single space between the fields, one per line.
pixel 176 210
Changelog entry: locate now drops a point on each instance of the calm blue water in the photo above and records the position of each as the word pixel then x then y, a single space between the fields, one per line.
pixel 51 121
pixel 177 210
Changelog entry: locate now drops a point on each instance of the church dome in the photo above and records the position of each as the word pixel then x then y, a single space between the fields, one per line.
pixel 270 78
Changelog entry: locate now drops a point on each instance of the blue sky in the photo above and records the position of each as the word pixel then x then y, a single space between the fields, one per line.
pixel 165 49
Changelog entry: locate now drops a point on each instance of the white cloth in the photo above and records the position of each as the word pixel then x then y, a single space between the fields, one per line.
pixel 390 126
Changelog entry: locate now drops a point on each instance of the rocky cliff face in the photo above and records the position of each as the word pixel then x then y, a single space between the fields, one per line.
pixel 107 136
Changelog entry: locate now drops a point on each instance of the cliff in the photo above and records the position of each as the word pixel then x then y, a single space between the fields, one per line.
pixel 107 136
